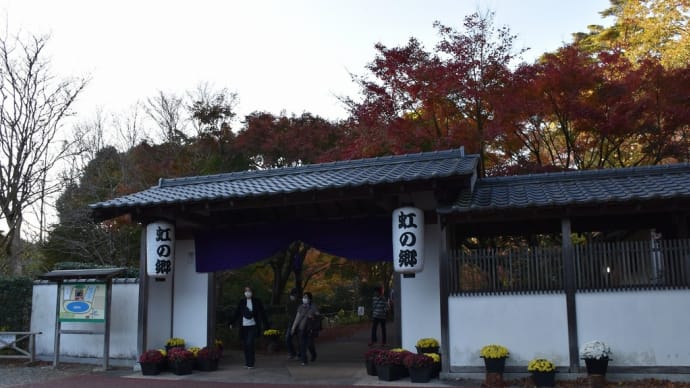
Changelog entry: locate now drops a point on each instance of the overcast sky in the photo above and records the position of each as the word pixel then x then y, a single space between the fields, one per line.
pixel 292 56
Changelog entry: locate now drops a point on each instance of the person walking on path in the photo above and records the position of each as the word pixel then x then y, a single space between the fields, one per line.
pixel 291 309
pixel 307 314
pixel 249 316
pixel 379 309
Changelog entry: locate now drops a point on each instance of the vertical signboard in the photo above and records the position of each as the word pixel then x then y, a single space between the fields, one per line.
pixel 408 240
pixel 160 248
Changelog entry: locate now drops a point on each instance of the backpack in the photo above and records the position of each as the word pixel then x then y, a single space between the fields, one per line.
pixel 315 325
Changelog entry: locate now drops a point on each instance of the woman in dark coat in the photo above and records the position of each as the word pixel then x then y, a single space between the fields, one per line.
pixel 307 313
pixel 249 316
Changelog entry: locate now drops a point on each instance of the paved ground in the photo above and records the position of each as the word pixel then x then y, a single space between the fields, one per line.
pixel 340 363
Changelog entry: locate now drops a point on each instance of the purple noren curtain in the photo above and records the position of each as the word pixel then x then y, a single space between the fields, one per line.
pixel 361 239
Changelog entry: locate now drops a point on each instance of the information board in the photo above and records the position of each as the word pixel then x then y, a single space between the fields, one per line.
pixel 82 302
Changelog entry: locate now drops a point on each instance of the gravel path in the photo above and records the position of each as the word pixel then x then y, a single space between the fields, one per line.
pixel 14 372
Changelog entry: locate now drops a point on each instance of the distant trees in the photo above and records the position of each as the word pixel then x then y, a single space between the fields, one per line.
pixel 578 110
pixel 611 98
pixel 33 106
pixel 586 105
pixel 269 141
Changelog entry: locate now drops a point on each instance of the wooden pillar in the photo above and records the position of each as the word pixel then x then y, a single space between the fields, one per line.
pixel 570 288
pixel 444 292
pixel 56 340
pixel 143 310
pixel 211 310
pixel 108 317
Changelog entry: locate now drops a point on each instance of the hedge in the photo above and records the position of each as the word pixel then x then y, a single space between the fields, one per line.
pixel 15 302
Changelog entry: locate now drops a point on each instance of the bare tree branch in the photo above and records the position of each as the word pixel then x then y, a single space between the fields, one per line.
pixel 33 107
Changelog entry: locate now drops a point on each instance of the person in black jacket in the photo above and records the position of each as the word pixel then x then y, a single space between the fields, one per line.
pixel 249 316
pixel 307 313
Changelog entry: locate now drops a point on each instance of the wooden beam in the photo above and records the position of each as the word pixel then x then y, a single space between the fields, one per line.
pixel 569 277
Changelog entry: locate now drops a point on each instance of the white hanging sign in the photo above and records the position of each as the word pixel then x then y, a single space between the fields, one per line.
pixel 160 248
pixel 408 239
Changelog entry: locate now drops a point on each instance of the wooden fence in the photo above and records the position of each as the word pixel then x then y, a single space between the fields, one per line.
pixel 656 264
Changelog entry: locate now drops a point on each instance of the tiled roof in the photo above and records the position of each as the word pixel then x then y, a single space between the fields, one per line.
pixel 575 188
pixel 315 177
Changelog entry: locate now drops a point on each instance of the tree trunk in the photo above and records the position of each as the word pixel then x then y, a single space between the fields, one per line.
pixel 14 251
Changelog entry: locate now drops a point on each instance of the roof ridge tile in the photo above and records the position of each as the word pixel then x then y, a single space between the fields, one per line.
pixel 318 167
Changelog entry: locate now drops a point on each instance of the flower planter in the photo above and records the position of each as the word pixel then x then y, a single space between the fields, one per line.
pixel 371 367
pixel 544 379
pixel 182 367
pixel 495 365
pixel 207 365
pixel 150 368
pixel 597 367
pixel 421 375
pixel 391 372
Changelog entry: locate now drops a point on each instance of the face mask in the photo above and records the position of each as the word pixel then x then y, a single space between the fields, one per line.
pixel 247 294
pixel 305 300
pixel 292 297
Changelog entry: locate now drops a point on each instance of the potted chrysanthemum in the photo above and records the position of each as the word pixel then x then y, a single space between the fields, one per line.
pixel 369 357
pixel 174 342
pixel 181 361
pixel 151 361
pixel 208 357
pixel 597 355
pixel 427 345
pixel 494 357
pixel 273 342
pixel 420 367
pixel 389 364
pixel 543 372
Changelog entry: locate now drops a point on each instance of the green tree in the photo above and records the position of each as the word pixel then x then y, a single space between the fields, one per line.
pixel 76 237
pixel 645 29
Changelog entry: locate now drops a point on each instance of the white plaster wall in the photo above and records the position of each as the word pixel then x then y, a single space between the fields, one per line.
pixel 528 325
pixel 190 302
pixel 123 325
pixel 178 306
pixel 159 317
pixel 648 328
pixel 420 296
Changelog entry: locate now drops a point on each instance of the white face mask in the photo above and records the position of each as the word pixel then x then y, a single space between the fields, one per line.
pixel 305 300
pixel 292 297
pixel 247 294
